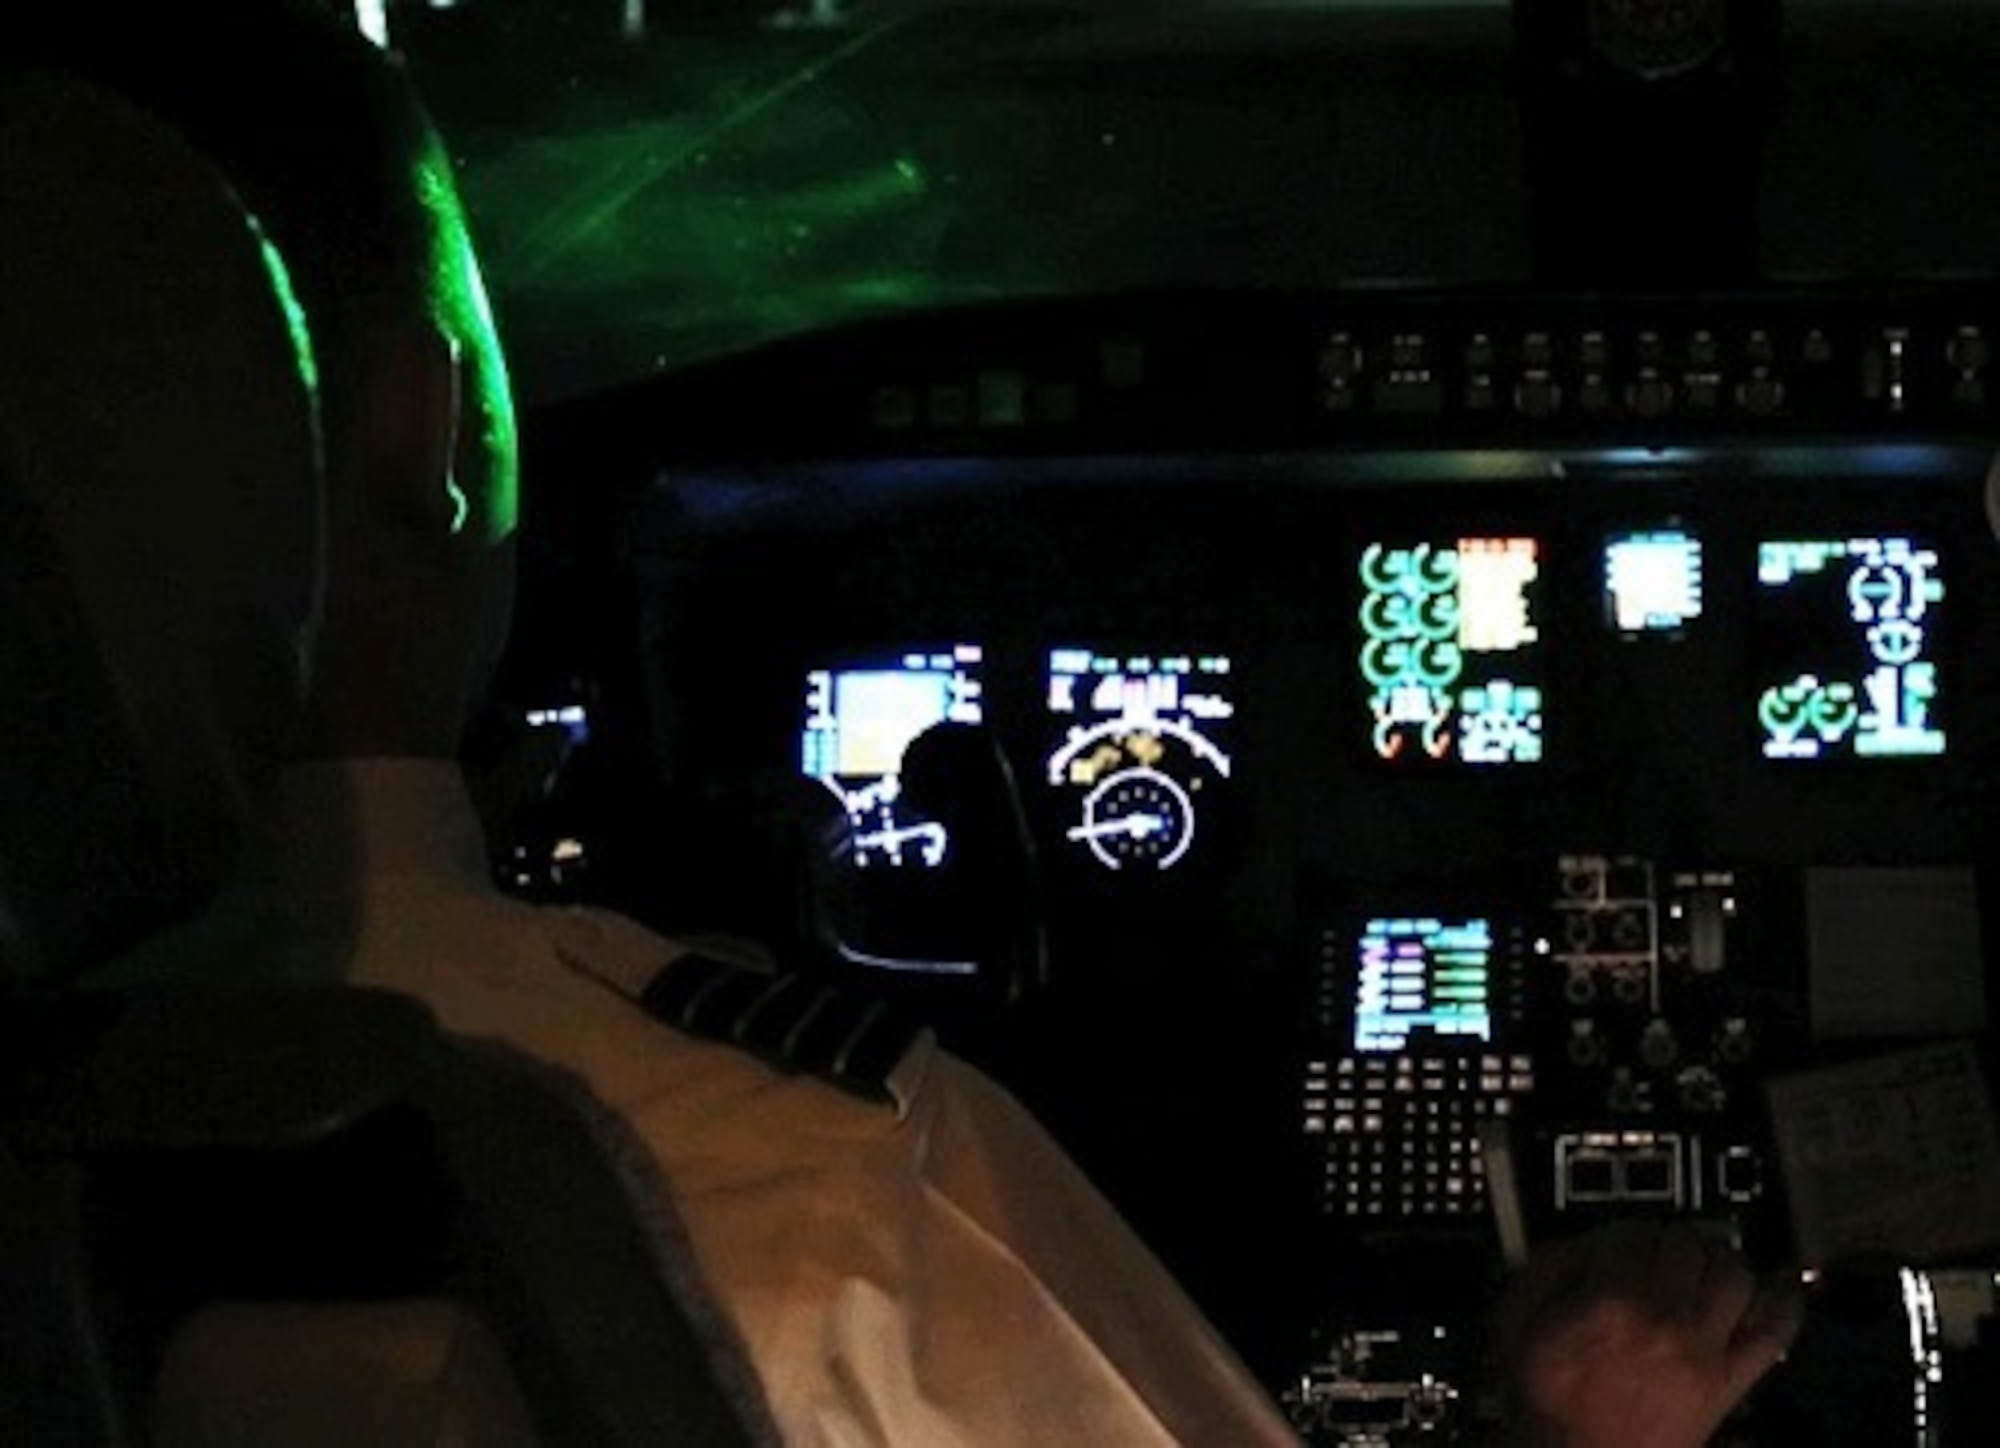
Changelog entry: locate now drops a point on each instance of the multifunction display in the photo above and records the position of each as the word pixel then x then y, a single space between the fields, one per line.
pixel 860 717
pixel 1450 652
pixel 1423 983
pixel 1145 745
pixel 1846 649
pixel 1652 581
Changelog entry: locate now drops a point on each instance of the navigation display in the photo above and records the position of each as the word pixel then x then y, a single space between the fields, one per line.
pixel 1146 744
pixel 1423 982
pixel 860 717
pixel 1450 651
pixel 1846 649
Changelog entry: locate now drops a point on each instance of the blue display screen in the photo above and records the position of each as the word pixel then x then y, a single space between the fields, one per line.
pixel 860 717
pixel 1423 982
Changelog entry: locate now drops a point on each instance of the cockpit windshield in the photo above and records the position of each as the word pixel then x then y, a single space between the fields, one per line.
pixel 655 184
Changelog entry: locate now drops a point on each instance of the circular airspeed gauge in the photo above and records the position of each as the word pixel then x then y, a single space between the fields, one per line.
pixel 1138 818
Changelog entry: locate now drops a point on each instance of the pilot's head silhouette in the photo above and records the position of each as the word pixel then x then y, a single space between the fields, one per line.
pixel 330 146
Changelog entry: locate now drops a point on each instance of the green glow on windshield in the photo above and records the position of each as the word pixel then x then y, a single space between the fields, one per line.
pixel 749 201
pixel 645 166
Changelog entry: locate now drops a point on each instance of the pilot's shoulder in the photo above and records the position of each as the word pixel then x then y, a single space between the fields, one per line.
pixel 737 995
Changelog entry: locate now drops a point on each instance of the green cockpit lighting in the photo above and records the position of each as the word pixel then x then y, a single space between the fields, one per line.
pixel 465 311
pixel 713 194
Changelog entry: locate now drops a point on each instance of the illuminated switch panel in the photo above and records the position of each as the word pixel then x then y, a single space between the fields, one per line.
pixel 1420 1013
pixel 1663 1171
pixel 1644 1168
pixel 1396 1137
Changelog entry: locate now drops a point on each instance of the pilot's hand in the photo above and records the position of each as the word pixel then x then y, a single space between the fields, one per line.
pixel 1636 1335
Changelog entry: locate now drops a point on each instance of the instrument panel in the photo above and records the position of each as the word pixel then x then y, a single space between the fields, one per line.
pixel 1671 660
pixel 1374 840
pixel 1385 812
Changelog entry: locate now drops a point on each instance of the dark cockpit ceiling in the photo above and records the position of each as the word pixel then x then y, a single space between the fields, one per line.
pixel 1374 713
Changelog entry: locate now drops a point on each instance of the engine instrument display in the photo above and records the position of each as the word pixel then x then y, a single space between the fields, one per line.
pixel 860 717
pixel 1450 651
pixel 1145 743
pixel 1846 651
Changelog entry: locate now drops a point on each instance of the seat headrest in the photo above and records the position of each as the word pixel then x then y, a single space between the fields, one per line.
pixel 159 524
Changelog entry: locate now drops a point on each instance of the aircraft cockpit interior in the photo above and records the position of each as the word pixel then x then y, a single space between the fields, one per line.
pixel 1391 772
pixel 1373 856
pixel 1385 611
